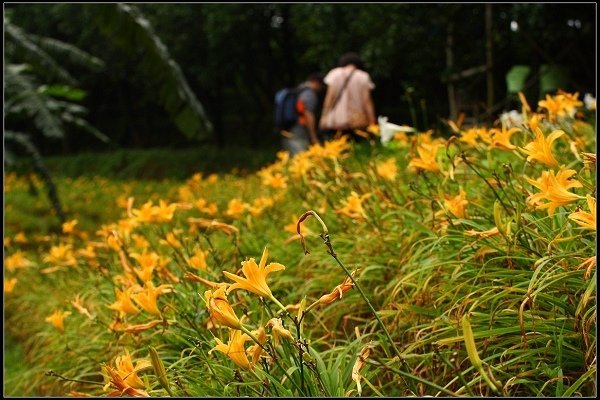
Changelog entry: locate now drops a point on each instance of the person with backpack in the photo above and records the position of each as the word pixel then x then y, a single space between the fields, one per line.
pixel 296 112
pixel 348 103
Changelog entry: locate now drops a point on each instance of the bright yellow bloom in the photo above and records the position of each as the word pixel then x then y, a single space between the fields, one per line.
pixel 212 178
pixel 554 189
pixel 540 148
pixel 301 164
pixel 198 260
pixel 124 304
pixel 140 242
pixel 16 260
pixel 427 158
pixel 20 238
pixel 388 169
pixel 352 206
pixel 561 105
pixel 122 388
pixel 260 204
pixel 255 276
pixel 202 205
pixel 61 254
pixel 171 240
pixel 234 349
pixel 89 252
pixel 148 261
pixel 586 219
pixel 164 211
pixel 235 208
pixel 148 213
pixel 219 308
pixel 255 351
pixel 145 213
pixel 273 179
pixel 501 138
pixel 57 319
pixel 147 298
pixel 9 285
pixel 469 136
pixel 456 205
pixel 127 372
pixel 485 135
pixel 69 226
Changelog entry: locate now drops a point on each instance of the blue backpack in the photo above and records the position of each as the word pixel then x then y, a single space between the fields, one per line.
pixel 285 112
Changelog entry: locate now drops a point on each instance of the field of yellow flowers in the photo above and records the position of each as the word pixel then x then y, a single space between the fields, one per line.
pixel 428 266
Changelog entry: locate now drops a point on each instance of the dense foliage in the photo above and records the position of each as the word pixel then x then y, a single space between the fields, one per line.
pixel 427 266
pixel 235 56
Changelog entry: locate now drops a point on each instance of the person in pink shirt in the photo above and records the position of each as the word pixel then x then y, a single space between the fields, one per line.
pixel 348 104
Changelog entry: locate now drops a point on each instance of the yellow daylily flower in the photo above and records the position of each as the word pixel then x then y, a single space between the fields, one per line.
pixel 427 157
pixel 255 276
pixel 164 211
pixel 456 205
pixel 501 138
pixel 16 260
pixel 147 298
pixel 219 308
pixel 255 351
pixel 124 304
pixel 122 388
pixel 145 213
pixel 20 238
pixel 57 319
pixel 586 219
pixel 234 349
pixel 540 148
pixel 171 240
pixel 69 226
pixel 561 105
pixel 352 206
pixel 388 169
pixel 554 189
pixel 61 254
pixel 127 372
pixel 9 285
pixel 147 261
pixel 235 208
pixel 198 259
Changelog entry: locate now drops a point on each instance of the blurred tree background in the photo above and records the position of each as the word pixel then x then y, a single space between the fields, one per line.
pixel 233 58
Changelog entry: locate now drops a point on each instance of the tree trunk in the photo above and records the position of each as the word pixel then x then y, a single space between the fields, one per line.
pixel 449 66
pixel 488 56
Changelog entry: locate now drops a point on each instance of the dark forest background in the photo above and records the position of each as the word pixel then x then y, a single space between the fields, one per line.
pixel 235 56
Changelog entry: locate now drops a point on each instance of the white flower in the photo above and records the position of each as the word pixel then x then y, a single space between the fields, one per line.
pixel 589 101
pixel 388 130
pixel 512 119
